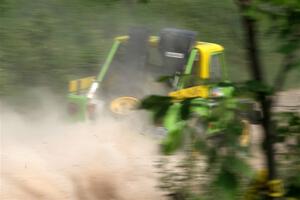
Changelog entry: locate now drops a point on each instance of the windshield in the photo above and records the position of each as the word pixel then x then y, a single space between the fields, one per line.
pixel 215 67
pixel 215 71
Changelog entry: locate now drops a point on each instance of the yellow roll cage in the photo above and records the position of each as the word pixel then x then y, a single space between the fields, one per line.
pixel 205 51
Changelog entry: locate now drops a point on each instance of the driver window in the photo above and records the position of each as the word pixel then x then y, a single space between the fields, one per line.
pixel 215 67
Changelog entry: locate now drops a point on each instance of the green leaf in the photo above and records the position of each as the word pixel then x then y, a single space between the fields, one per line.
pixel 258 87
pixel 154 101
pixel 251 13
pixel 238 166
pixel 212 158
pixel 293 187
pixel 227 185
pixel 288 48
pixel 160 113
pixel 173 141
pixel 201 146
pixel 159 105
pixel 185 111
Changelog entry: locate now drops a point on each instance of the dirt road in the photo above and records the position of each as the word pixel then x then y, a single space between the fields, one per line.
pixel 43 158
pixel 48 159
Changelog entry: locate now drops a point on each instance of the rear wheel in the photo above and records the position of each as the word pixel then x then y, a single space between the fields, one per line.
pixel 124 105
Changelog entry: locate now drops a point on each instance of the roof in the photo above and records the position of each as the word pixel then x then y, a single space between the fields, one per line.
pixel 212 47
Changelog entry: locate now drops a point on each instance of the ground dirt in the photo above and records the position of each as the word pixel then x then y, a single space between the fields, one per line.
pixel 42 157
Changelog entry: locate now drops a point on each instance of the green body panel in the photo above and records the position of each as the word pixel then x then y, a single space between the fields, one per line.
pixel 172 120
pixel 174 125
pixel 81 101
pixel 108 61
pixel 79 104
pixel 188 68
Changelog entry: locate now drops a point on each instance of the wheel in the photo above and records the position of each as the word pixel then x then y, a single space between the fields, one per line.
pixel 124 105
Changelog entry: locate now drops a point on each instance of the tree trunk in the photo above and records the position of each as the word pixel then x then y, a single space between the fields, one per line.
pixel 255 68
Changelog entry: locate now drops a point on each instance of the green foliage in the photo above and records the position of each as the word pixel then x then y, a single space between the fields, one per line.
pixel 228 174
pixel 159 110
pixel 288 123
pixel 226 185
pixel 174 140
pixel 284 17
pixel 237 166
pixel 253 87
pixel 226 167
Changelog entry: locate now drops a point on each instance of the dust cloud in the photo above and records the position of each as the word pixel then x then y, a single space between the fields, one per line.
pixel 45 157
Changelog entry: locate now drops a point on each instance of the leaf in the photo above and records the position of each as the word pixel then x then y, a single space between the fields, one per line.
pixel 227 185
pixel 225 84
pixel 238 166
pixel 251 13
pixel 234 128
pixel 201 146
pixel 258 87
pixel 185 111
pixel 154 101
pixel 173 141
pixel 288 48
pixel 294 120
pixel 293 187
pixel 160 113
pixel 212 158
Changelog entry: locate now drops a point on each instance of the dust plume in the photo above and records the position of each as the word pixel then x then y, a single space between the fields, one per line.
pixel 43 157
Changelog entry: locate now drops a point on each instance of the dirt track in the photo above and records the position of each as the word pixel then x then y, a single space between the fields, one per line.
pixel 47 159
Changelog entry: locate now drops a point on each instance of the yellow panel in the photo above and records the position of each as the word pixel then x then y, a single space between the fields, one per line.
pixel 86 82
pixel 123 38
pixel 72 86
pixel 153 40
pixel 211 47
pixel 192 92
pixel 205 51
pixel 81 84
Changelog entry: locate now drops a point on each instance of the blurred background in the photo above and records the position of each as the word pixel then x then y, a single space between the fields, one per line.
pixel 46 43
